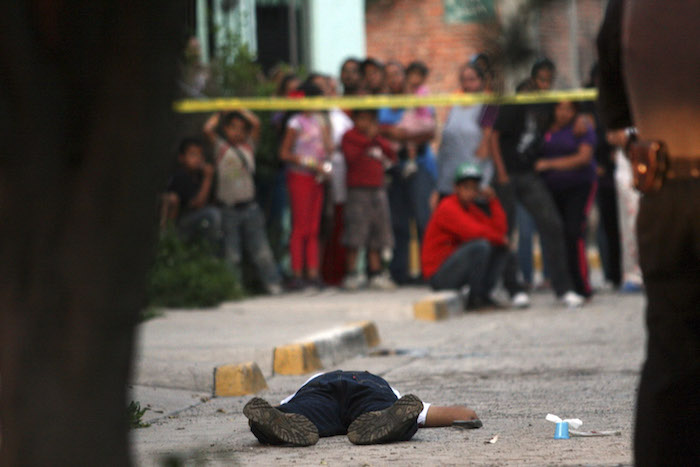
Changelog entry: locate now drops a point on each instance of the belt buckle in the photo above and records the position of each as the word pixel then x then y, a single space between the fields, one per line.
pixel 650 164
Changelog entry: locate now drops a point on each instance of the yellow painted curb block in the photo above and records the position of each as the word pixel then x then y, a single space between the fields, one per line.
pixel 437 306
pixel 238 380
pixel 370 331
pixel 296 359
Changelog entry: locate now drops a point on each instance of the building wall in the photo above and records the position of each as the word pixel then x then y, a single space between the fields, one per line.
pixel 556 39
pixel 337 31
pixel 405 30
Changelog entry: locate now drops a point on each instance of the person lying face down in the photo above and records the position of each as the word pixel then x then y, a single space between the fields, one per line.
pixel 358 404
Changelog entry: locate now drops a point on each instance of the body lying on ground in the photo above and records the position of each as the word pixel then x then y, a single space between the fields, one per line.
pixel 358 404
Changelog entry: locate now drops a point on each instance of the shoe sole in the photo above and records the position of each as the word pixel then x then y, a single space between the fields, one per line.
pixel 290 428
pixel 385 425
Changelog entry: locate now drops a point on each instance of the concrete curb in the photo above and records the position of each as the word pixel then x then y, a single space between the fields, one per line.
pixel 238 380
pixel 438 306
pixel 312 353
pixel 325 348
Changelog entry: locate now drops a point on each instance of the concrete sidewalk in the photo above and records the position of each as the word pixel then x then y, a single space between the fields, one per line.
pixel 180 349
pixel 512 366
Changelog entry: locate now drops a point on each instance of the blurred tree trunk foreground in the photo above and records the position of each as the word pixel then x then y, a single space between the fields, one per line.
pixel 85 110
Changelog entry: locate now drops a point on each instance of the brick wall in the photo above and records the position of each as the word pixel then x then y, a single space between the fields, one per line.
pixel 405 30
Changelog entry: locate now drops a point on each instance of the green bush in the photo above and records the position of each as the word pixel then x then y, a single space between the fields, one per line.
pixel 188 275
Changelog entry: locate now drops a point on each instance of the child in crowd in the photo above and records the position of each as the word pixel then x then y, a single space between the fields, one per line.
pixel 189 196
pixel 367 218
pixel 305 148
pixel 357 403
pixel 241 215
pixel 419 119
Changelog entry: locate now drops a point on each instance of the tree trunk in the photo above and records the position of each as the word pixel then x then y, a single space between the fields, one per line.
pixel 85 111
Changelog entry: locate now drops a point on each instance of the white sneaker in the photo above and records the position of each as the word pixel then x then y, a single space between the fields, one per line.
pixel 274 289
pixel 572 300
pixel 520 300
pixel 382 282
pixel 354 282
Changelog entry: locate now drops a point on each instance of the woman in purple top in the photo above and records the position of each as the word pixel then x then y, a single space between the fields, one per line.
pixel 568 168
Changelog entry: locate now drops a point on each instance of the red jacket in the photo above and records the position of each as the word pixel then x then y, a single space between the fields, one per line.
pixel 452 225
pixel 363 169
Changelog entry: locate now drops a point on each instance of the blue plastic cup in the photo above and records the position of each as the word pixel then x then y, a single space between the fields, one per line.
pixel 562 431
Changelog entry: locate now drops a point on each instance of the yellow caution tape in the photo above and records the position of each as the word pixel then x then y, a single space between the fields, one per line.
pixel 379 101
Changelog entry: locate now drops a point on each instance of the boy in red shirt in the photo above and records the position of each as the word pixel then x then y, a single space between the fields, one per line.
pixel 367 220
pixel 465 242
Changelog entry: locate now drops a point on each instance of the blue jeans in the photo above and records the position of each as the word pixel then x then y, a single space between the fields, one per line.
pixel 334 400
pixel 409 198
pixel 205 223
pixel 477 264
pixel 246 224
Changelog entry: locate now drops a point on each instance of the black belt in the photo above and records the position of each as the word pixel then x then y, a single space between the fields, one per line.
pixel 240 205
pixel 680 168
pixel 652 165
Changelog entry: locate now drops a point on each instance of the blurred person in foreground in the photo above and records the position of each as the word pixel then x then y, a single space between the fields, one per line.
pixel 466 240
pixel 637 37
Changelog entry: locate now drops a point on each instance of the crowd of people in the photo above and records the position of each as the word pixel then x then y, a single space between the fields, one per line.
pixel 360 184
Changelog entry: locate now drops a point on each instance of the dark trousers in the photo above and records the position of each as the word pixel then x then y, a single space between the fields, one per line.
pixel 574 204
pixel 244 227
pixel 531 192
pixel 334 400
pixel 477 264
pixel 609 229
pixel 409 198
pixel 205 223
pixel 668 405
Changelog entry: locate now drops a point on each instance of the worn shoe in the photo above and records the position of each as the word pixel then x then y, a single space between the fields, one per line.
pixel 382 282
pixel 314 286
pixel 520 300
pixel 279 427
pixel 385 426
pixel 572 300
pixel 487 303
pixel 274 289
pixel 295 284
pixel 354 282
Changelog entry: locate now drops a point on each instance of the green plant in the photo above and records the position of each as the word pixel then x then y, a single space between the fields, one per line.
pixel 135 413
pixel 235 71
pixel 187 274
